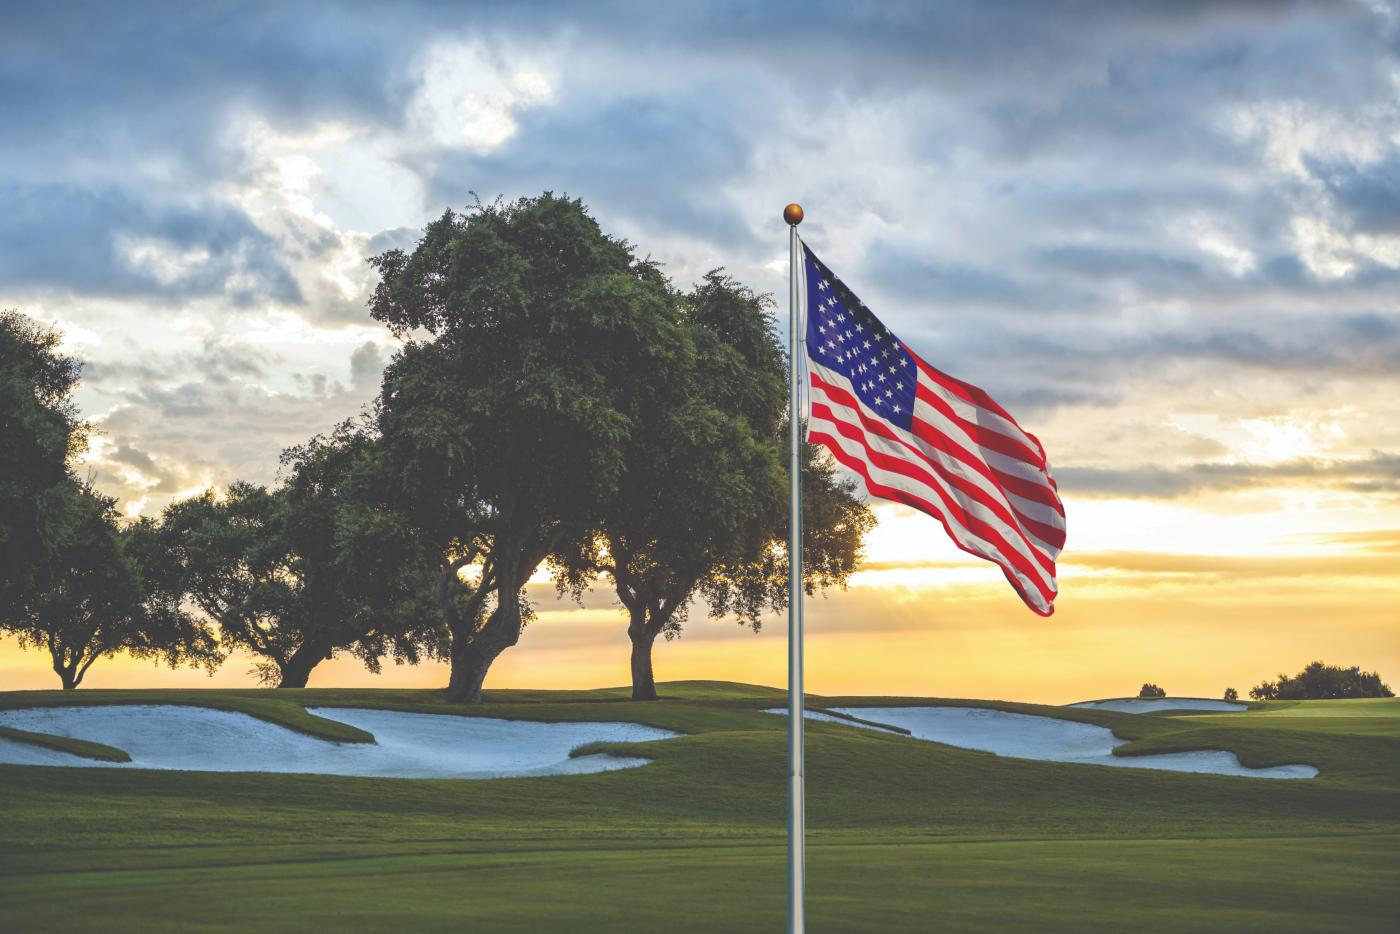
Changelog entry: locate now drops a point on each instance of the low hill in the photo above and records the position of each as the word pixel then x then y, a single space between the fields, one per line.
pixel 904 834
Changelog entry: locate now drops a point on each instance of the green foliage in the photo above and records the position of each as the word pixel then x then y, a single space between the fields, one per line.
pixel 309 569
pixel 702 483
pixel 1151 690
pixel 1231 694
pixel 361 562
pixel 507 430
pixel 106 589
pixel 701 508
pixel 41 434
pixel 1319 681
pixel 77 747
pixel 74 582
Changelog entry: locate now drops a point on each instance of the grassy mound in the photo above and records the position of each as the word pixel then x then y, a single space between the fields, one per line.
pixel 76 747
pixel 904 834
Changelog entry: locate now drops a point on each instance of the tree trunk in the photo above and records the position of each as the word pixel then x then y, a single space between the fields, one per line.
pixel 68 674
pixel 474 651
pixel 643 638
pixel 472 655
pixel 470 663
pixel 297 670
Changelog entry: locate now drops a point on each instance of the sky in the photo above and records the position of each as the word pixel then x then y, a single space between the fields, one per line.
pixel 1165 236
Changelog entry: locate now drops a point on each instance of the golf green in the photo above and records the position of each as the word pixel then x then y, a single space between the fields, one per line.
pixel 904 834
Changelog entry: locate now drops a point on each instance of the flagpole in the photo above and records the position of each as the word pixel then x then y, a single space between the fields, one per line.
pixel 797 860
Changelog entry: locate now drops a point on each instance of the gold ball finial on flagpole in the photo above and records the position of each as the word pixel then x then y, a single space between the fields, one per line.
pixel 793 214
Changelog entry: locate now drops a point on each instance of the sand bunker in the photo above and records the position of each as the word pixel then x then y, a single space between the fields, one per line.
pixel 1023 736
pixel 1153 704
pixel 408 745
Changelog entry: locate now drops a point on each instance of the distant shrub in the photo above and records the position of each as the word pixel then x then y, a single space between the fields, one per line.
pixel 1323 682
pixel 1231 694
pixel 1151 690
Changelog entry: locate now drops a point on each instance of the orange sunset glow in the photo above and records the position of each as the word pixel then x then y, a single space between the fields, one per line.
pixel 924 619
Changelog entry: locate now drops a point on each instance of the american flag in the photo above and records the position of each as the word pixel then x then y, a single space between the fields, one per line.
pixel 918 436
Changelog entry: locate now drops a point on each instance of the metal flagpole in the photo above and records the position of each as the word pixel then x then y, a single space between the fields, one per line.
pixel 797 862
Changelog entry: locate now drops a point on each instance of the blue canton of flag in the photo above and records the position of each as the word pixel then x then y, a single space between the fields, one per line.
pixel 844 336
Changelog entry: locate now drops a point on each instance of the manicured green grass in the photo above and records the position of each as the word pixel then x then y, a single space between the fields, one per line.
pixel 904 834
pixel 76 747
pixel 261 704
pixel 1382 707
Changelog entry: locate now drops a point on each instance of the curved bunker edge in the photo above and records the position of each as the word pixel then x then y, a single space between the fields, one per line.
pixel 1103 750
pixel 188 737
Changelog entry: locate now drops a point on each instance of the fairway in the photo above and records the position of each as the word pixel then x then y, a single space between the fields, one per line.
pixel 904 834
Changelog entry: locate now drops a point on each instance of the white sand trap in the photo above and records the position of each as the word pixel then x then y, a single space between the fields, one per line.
pixel 1153 704
pixel 408 745
pixel 1024 736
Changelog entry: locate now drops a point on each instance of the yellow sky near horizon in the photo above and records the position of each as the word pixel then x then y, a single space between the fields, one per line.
pixel 1255 594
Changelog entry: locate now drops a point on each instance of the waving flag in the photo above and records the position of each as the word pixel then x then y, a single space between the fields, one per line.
pixel 918 436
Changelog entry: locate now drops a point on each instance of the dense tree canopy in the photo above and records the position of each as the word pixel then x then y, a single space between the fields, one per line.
pixel 106 589
pixel 297 574
pixel 1319 681
pixel 41 434
pixel 506 431
pixel 555 400
pixel 701 507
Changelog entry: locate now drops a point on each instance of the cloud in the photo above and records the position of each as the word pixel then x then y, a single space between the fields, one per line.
pixel 366 367
pixel 110 242
pixel 1107 214
pixel 1368 196
pixel 657 162
pixel 1379 473
pixel 1377 540
pixel 1237 567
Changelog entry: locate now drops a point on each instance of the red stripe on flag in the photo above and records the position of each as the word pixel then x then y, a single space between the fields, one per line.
pixel 985 437
pixel 1002 509
pixel 909 499
pixel 977 527
pixel 972 395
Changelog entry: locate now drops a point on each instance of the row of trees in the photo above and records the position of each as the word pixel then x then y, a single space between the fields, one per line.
pixel 557 404
pixel 1319 681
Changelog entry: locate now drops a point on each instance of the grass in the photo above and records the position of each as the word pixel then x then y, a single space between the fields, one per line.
pixel 76 747
pixel 903 834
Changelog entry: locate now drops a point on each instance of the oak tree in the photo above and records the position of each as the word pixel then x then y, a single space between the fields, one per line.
pixel 104 589
pixel 534 339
